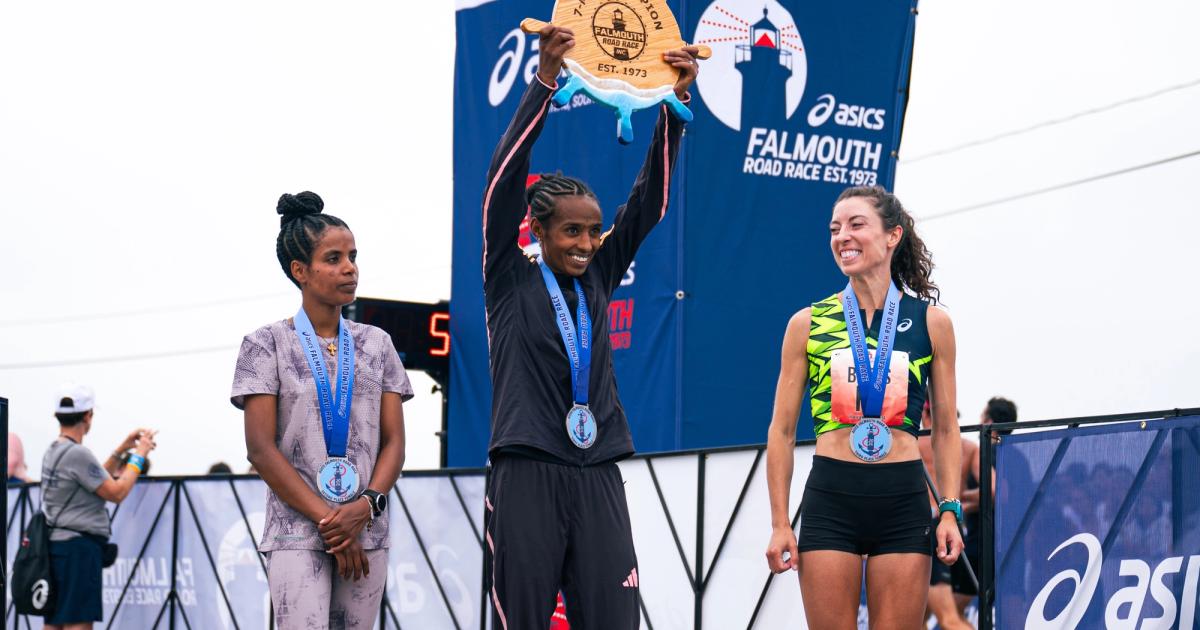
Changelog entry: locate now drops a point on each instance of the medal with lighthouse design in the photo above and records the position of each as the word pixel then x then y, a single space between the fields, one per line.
pixel 617 58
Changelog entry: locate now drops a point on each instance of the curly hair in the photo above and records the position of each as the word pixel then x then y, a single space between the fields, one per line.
pixel 912 264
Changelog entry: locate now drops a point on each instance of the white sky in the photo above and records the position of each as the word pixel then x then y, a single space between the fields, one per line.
pixel 143 146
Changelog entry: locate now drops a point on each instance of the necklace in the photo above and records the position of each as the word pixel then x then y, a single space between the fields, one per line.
pixel 331 346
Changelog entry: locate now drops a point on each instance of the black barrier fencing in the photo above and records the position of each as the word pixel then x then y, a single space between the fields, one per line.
pixel 700 518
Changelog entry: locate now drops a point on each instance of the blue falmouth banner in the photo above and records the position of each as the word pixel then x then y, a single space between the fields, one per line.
pixel 798 102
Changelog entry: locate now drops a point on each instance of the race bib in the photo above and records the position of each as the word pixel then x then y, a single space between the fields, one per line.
pixel 846 405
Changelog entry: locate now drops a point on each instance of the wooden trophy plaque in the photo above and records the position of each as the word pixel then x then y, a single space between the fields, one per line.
pixel 617 59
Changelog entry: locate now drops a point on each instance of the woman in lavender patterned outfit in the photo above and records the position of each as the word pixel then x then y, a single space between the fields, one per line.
pixel 328 464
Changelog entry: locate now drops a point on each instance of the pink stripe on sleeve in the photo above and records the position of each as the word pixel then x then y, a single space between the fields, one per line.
pixel 487 198
pixel 666 166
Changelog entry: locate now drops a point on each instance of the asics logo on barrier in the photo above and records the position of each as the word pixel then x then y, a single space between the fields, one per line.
pixel 1124 607
pixel 1085 587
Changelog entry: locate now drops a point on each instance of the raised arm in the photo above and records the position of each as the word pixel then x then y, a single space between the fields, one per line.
pixel 781 441
pixel 504 198
pixel 115 462
pixel 115 490
pixel 647 204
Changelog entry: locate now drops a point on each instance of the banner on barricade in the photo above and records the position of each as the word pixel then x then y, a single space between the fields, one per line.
pixel 798 102
pixel 188 552
pixel 193 541
pixel 1110 541
pixel 1099 527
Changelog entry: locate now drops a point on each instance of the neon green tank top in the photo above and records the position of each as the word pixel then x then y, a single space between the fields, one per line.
pixel 833 392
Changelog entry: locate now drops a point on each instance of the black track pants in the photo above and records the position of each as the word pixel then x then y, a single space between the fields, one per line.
pixel 552 527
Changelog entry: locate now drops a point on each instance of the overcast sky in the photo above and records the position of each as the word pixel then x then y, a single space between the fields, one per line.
pixel 143 146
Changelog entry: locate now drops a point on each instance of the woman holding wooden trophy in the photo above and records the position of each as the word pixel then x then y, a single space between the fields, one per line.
pixel 557 518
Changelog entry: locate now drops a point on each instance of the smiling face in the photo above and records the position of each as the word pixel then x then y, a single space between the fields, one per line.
pixel 332 276
pixel 573 235
pixel 858 239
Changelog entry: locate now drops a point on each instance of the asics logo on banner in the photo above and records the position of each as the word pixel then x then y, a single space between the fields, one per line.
pixel 845 115
pixel 519 56
pixel 1125 605
pixel 905 324
pixel 822 110
pixel 41 593
pixel 758 55
pixel 514 50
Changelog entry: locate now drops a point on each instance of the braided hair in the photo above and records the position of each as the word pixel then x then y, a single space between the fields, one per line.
pixel 542 195
pixel 300 228
pixel 912 263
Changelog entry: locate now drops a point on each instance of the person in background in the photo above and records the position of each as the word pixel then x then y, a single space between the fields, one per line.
pixel 17 470
pixel 999 411
pixel 1015 476
pixel 948 582
pixel 220 468
pixel 75 487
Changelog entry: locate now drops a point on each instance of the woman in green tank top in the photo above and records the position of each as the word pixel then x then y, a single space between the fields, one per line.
pixel 865 494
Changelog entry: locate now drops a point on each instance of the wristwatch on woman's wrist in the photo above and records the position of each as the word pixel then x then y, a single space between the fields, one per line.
pixel 376 500
pixel 952 505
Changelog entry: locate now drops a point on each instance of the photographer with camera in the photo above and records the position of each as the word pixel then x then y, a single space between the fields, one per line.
pixel 75 487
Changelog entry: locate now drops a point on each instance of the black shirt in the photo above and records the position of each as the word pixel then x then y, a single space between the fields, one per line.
pixel 531 376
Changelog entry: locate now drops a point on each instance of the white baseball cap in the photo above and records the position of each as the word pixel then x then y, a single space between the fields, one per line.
pixel 81 397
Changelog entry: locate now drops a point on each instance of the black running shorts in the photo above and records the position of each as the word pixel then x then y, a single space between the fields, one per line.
pixel 865 509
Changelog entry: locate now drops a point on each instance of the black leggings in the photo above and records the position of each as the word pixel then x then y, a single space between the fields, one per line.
pixel 865 509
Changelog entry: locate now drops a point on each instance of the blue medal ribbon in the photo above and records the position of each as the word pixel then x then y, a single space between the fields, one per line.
pixel 872 380
pixel 579 346
pixel 335 411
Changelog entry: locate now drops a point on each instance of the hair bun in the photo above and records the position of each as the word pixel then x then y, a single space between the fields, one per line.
pixel 292 207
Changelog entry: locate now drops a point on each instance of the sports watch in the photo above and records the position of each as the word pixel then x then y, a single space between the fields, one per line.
pixel 377 501
pixel 950 504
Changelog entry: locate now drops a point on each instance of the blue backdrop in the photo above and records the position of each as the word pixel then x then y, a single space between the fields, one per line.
pixel 799 101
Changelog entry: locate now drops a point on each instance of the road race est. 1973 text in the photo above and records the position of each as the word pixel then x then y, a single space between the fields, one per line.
pixel 633 72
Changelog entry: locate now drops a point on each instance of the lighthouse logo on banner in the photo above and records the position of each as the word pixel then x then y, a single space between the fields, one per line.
pixel 758 67
pixel 755 85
